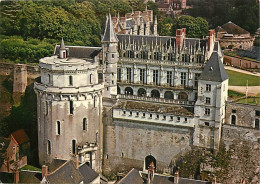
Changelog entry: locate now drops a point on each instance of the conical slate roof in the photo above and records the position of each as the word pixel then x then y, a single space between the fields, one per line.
pixel 109 34
pixel 62 45
pixel 214 69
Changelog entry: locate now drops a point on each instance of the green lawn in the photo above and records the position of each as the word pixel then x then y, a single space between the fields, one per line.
pixel 251 101
pixel 234 94
pixel 30 168
pixel 239 79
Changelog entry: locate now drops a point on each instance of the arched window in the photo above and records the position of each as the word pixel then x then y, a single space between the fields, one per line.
pixel 233 119
pixel 155 94
pixel 49 79
pixel 58 127
pixel 70 80
pixel 49 147
pixel 141 92
pixel 85 124
pixel 168 95
pixel 129 91
pixel 257 123
pixel 182 96
pixel 148 160
pixel 73 146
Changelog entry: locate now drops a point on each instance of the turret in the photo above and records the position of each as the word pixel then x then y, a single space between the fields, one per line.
pixel 110 58
pixel 210 106
pixel 63 53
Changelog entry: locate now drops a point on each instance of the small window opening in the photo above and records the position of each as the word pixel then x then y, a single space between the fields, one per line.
pixel 58 127
pixel 71 107
pixel 73 146
pixel 49 147
pixel 70 80
pixel 85 124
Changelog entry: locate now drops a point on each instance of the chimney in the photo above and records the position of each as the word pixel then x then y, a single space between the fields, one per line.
pixel 77 162
pixel 176 177
pixel 44 170
pixel 180 35
pixel 214 181
pixel 211 39
pixel 150 173
pixel 16 176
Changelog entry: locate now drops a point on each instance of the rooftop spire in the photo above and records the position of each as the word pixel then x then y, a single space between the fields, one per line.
pixel 62 45
pixel 109 34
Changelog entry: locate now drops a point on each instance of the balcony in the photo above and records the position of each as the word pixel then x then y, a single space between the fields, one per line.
pixel 152 85
pixel 157 100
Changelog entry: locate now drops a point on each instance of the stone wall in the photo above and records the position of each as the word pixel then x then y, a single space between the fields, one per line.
pixel 244 115
pixel 232 133
pixel 127 143
pixel 243 144
pixel 241 63
pixel 22 75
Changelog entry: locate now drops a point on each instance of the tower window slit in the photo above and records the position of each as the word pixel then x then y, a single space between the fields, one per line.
pixel 58 127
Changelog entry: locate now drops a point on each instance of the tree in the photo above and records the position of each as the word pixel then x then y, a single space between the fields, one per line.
pixel 165 26
pixel 152 6
pixel 195 27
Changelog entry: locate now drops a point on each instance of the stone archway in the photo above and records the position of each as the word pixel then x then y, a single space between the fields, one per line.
pixel 155 94
pixel 148 160
pixel 141 92
pixel 168 95
pixel 129 91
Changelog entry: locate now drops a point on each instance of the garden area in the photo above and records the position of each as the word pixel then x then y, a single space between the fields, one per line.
pixel 240 79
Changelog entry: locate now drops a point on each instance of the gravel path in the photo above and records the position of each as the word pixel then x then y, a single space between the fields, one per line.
pixel 252 90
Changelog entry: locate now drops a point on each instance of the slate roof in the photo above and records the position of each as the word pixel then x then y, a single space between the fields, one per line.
pixel 132 177
pixel 67 173
pixel 232 28
pixel 214 69
pixel 80 51
pixel 88 173
pixel 254 53
pixel 154 107
pixel 55 164
pixel 20 136
pixel 135 177
pixel 109 34
pixel 30 177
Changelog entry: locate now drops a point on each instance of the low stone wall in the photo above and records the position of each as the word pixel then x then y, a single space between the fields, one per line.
pixel 241 63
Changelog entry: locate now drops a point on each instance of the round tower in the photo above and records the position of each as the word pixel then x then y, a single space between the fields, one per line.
pixel 69 103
